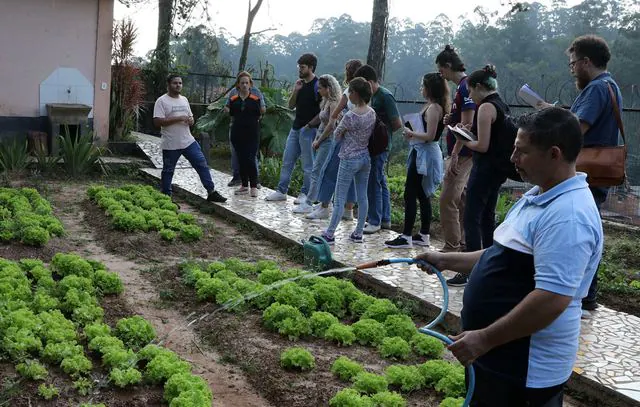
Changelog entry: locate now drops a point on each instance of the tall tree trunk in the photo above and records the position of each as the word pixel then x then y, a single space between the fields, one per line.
pixel 163 52
pixel 247 35
pixel 378 39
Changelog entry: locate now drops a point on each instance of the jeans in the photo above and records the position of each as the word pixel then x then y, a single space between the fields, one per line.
pixel 235 166
pixel 194 155
pixel 413 191
pixel 483 189
pixel 452 200
pixel 320 157
pixel 298 145
pixel 600 196
pixel 351 170
pixel 246 148
pixel 378 192
pixel 329 175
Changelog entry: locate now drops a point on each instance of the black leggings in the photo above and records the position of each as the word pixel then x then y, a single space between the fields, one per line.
pixel 246 146
pixel 413 190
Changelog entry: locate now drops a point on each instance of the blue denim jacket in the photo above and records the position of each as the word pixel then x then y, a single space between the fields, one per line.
pixel 429 164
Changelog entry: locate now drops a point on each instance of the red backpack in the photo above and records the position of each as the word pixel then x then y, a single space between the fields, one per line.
pixel 379 140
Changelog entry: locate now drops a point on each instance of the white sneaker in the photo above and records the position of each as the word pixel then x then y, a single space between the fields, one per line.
pixel 241 191
pixel 348 214
pixel 319 213
pixel 302 198
pixel 276 196
pixel 370 229
pixel 303 208
pixel 421 240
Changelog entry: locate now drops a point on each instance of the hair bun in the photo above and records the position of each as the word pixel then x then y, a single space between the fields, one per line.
pixel 449 48
pixel 491 71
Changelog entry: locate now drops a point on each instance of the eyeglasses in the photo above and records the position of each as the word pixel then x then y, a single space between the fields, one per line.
pixel 571 64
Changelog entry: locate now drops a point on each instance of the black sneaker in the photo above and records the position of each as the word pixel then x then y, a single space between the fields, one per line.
pixel 589 306
pixel 329 239
pixel 400 242
pixel 214 196
pixel 356 238
pixel 460 280
pixel 234 182
pixel 421 240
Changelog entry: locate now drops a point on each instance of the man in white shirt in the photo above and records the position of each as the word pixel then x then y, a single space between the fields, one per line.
pixel 172 114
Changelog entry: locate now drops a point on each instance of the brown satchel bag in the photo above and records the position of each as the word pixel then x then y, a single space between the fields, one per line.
pixel 605 166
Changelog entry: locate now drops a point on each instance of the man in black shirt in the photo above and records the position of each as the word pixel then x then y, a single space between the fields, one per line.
pixel 306 101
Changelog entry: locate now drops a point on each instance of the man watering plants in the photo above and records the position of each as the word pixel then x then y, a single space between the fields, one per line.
pixel 522 305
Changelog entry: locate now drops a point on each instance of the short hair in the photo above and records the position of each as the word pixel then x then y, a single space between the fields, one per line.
pixel 485 77
pixel 553 126
pixel 350 69
pixel 243 74
pixel 367 72
pixel 593 47
pixel 451 57
pixel 171 77
pixel 310 60
pixel 362 87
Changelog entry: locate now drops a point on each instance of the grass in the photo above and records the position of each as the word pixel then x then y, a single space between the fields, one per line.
pixel 619 271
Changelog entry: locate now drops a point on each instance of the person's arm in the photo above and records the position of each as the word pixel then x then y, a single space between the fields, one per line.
pixel 342 127
pixel 294 95
pixel 313 122
pixel 458 262
pixel 160 119
pixel 487 115
pixel 584 127
pixel 590 105
pixel 434 114
pixel 391 109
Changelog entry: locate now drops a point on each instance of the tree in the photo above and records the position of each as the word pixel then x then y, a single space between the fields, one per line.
pixel 247 34
pixel 378 38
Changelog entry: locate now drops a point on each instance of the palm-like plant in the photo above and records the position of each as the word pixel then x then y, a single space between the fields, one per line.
pixel 80 156
pixel 13 156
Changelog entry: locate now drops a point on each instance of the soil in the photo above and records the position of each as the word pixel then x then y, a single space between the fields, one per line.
pixel 233 352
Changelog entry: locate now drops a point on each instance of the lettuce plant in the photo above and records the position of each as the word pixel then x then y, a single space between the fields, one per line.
pixel 135 332
pixel 400 325
pixel 320 321
pixel 407 378
pixel 369 332
pixel 453 384
pixel 394 347
pixel 48 392
pixel 340 333
pixel 186 382
pixel 370 383
pixel 388 399
pixel 452 402
pixel 350 398
pixel 426 345
pixel 345 368
pixel 434 370
pixel 125 377
pixel 380 309
pixel 296 296
pixel 32 369
pixel 297 358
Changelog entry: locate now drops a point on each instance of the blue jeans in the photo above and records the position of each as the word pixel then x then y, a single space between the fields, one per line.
pixel 298 145
pixel 350 171
pixel 194 155
pixel 378 191
pixel 320 157
pixel 329 175
pixel 235 165
pixel 600 196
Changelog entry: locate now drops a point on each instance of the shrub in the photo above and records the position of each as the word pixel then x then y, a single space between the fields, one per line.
pixel 296 296
pixel 185 382
pixel 135 332
pixel 32 369
pixel 388 399
pixel 394 347
pixel 400 325
pixel 426 345
pixel 342 334
pixel 125 377
pixel 48 392
pixel 345 368
pixel 370 383
pixel 407 378
pixel 320 321
pixel 297 358
pixel 369 332
pixel 380 309
pixel 350 398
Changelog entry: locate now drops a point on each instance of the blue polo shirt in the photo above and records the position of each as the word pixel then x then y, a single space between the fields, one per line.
pixel 593 106
pixel 550 241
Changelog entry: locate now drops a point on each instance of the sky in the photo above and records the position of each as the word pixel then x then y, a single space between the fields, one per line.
pixel 287 16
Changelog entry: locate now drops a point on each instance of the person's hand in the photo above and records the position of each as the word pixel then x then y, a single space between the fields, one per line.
pixel 298 85
pixel 433 258
pixel 315 144
pixel 453 166
pixel 446 119
pixel 543 105
pixel 190 120
pixel 407 133
pixel 469 346
pixel 464 126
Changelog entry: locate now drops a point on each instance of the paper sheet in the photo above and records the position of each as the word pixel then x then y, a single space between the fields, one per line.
pixel 529 95
pixel 415 119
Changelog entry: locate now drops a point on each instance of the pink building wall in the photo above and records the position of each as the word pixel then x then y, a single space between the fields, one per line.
pixel 39 36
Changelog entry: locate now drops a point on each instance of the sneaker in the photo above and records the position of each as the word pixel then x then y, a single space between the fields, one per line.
pixel 234 182
pixel 329 239
pixel 586 314
pixel 254 192
pixel 303 208
pixel 259 186
pixel 460 280
pixel 276 196
pixel 241 191
pixel 370 229
pixel 421 240
pixel 589 306
pixel 319 213
pixel 386 225
pixel 400 242
pixel 302 198
pixel 356 238
pixel 214 196
pixel 348 214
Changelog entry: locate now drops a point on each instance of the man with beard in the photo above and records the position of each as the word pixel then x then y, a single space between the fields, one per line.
pixel 306 100
pixel 588 58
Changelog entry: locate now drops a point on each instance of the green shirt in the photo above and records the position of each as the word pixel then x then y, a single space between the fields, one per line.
pixel 384 104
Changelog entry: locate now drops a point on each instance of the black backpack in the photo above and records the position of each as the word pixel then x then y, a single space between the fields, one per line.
pixel 379 140
pixel 503 147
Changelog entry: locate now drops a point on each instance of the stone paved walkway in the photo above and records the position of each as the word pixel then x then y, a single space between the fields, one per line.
pixel 609 351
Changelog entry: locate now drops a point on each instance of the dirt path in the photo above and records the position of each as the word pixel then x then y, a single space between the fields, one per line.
pixel 229 386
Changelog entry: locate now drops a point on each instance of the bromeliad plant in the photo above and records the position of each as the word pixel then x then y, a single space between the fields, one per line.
pixel 27 217
pixel 141 207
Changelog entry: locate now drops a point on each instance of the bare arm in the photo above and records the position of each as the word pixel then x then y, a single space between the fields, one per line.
pixel 584 126
pixel 459 262
pixel 487 115
pixel 168 121
pixel 314 122
pixel 294 94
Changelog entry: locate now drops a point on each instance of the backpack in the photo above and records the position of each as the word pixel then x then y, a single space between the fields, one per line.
pixel 504 148
pixel 379 140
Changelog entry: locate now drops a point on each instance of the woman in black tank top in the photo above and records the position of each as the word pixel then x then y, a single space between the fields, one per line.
pixel 486 178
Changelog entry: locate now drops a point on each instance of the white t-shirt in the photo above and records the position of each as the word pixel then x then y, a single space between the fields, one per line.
pixel 178 135
pixel 350 105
